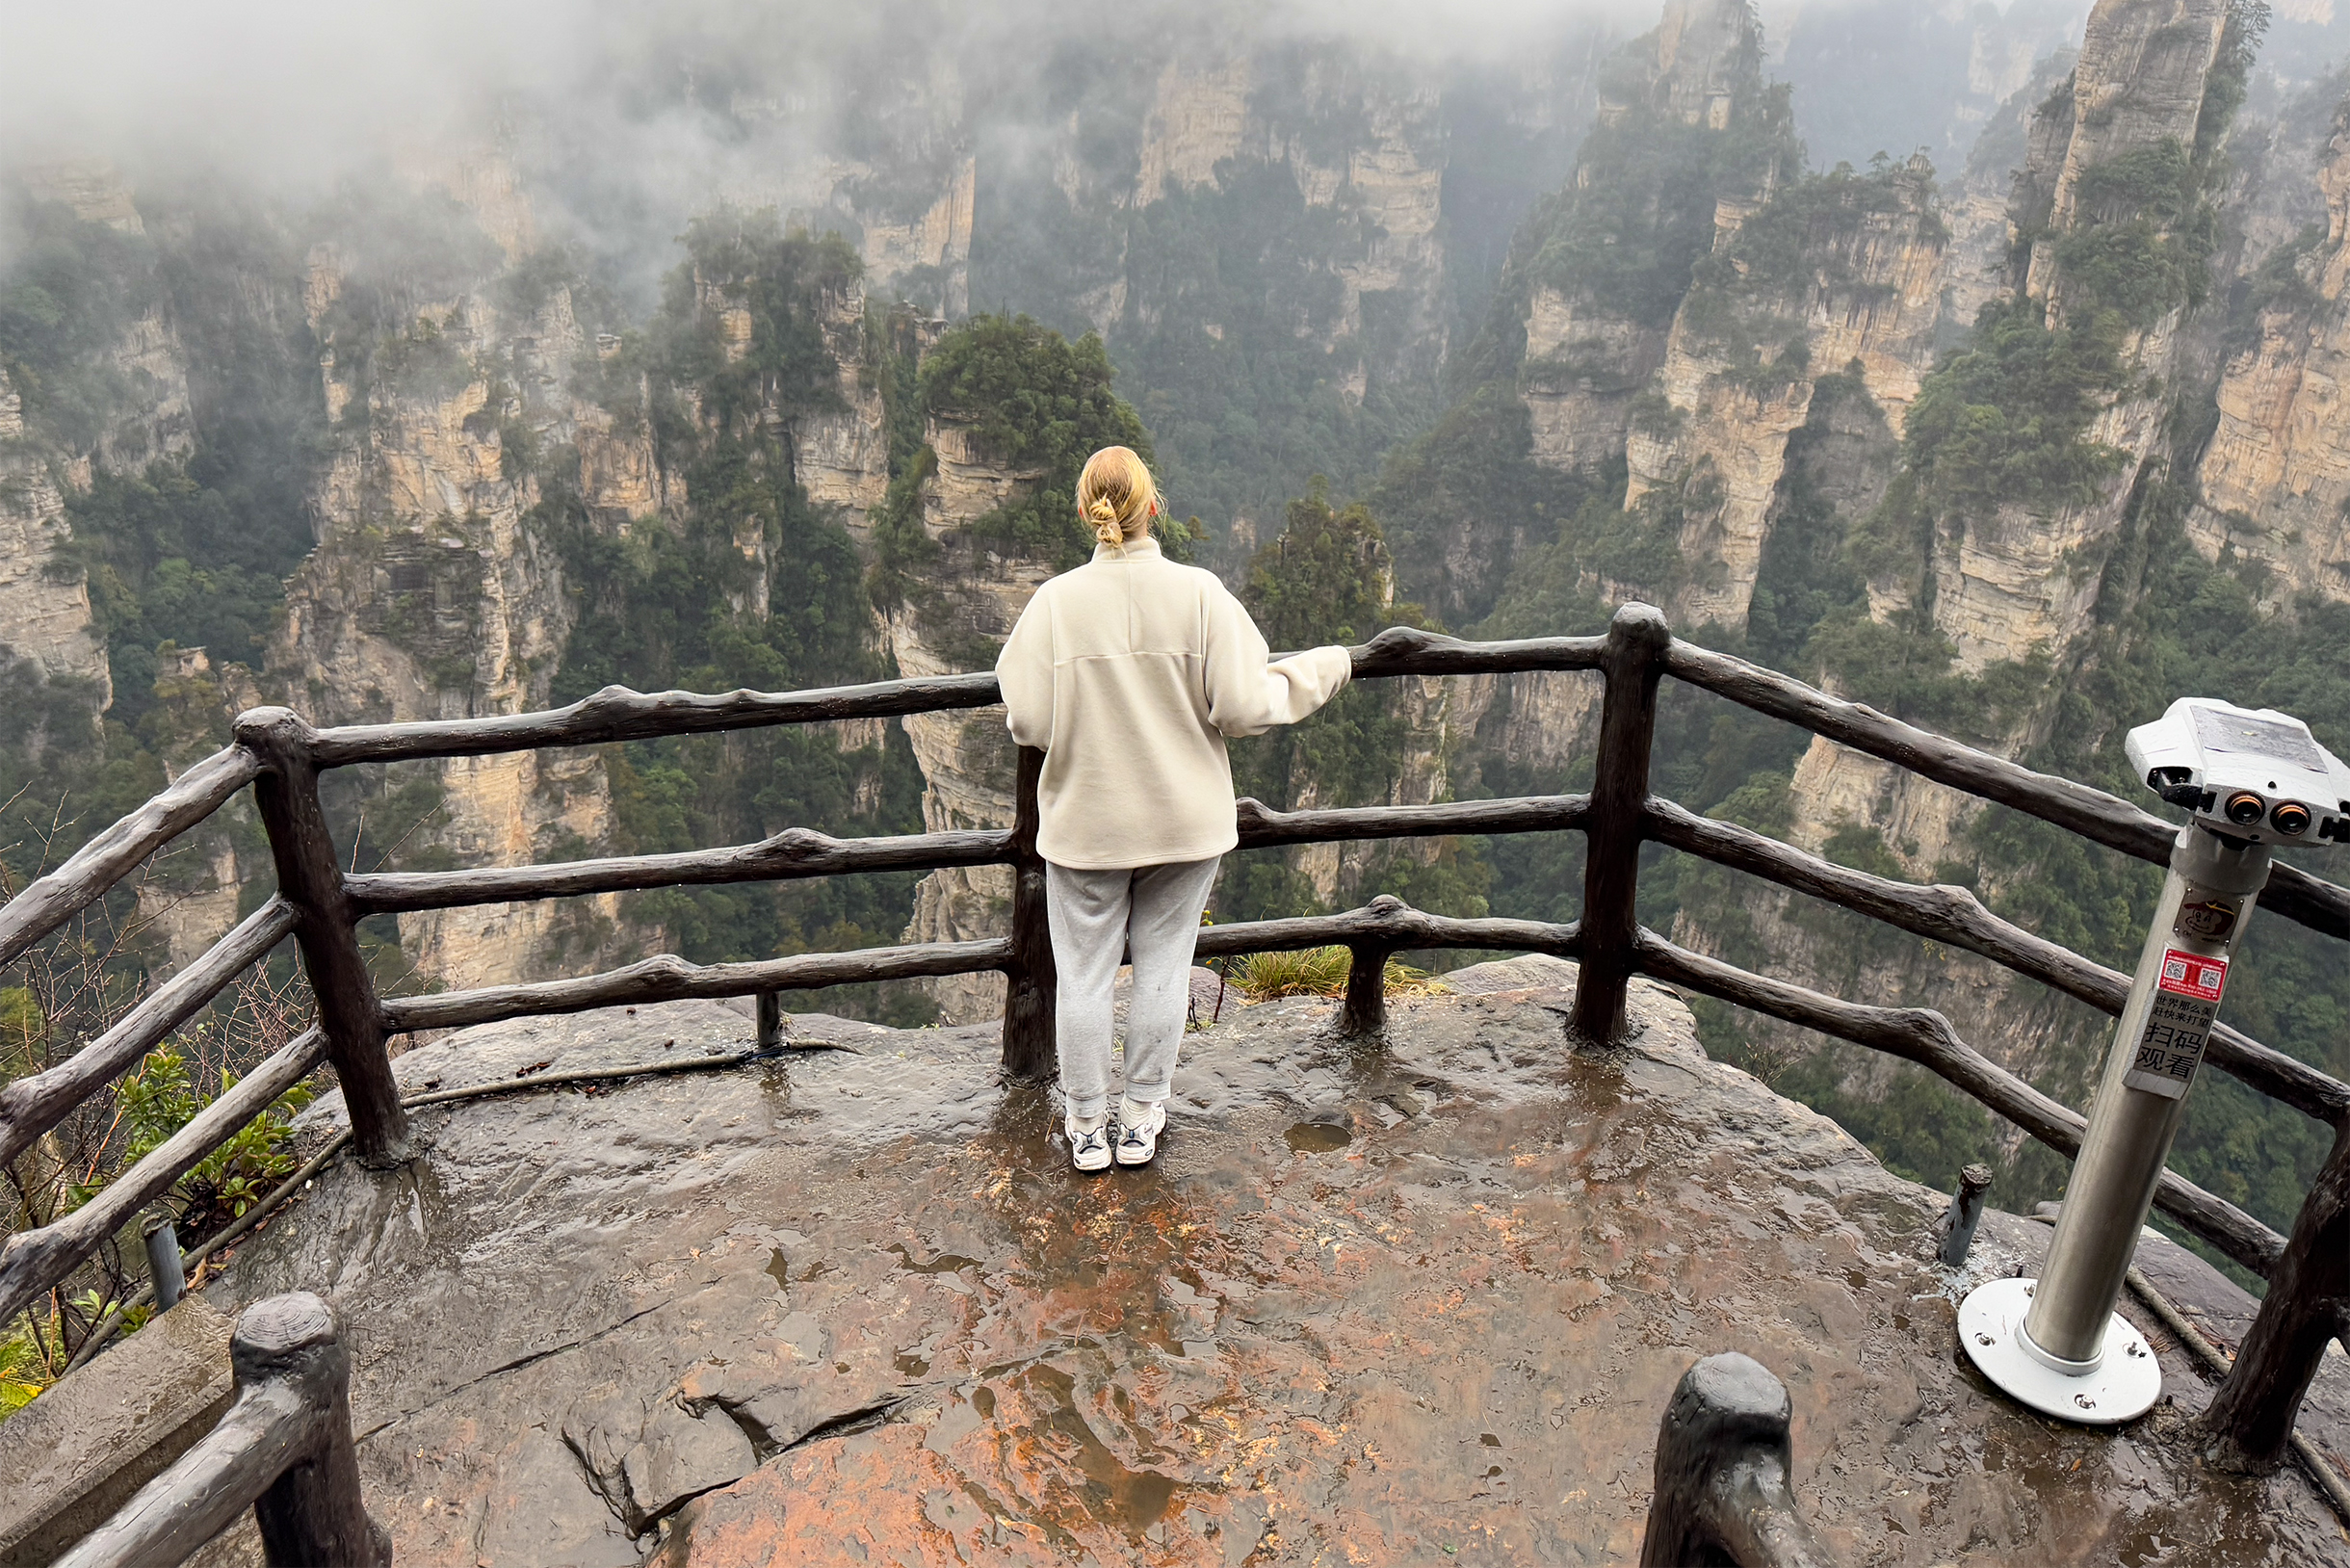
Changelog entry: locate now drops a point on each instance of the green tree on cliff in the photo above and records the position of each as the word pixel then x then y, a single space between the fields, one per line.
pixel 1328 579
pixel 1039 404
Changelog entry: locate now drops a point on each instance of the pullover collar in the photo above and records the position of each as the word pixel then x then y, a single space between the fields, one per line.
pixel 1145 548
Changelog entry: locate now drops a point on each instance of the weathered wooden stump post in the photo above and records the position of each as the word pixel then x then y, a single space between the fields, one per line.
pixel 282 1449
pixel 1364 1012
pixel 309 879
pixel 2308 1303
pixel 1965 1214
pixel 1723 1461
pixel 1633 665
pixel 1031 980
pixel 313 1514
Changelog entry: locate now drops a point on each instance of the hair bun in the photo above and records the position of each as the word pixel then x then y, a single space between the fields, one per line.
pixel 1101 510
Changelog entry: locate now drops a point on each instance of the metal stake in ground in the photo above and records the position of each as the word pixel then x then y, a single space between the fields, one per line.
pixel 2252 779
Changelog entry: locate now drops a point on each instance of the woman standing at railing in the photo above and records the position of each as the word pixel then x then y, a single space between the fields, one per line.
pixel 1129 673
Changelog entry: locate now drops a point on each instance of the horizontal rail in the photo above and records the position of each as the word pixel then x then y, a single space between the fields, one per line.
pixel 1926 1037
pixel 794 853
pixel 51 900
pixel 30 1105
pixel 1955 917
pixel 2093 813
pixel 1396 927
pixel 618 714
pixel 668 977
pixel 1405 650
pixel 1261 825
pixel 35 1260
pixel 800 853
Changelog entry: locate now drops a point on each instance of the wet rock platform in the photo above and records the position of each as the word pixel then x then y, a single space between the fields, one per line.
pixel 1419 1304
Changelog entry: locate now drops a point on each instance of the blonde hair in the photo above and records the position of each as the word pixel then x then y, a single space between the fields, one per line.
pixel 1116 496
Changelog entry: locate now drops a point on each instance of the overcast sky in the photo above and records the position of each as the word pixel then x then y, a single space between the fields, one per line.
pixel 301 86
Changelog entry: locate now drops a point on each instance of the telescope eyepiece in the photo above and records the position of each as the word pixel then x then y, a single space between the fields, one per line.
pixel 2244 808
pixel 2290 818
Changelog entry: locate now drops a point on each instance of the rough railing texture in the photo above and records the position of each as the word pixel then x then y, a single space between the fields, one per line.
pixel 2091 813
pixel 618 714
pixel 283 1448
pixel 795 853
pixel 1725 1464
pixel 2307 1304
pixel 668 977
pixel 35 1260
pixel 30 1105
pixel 1637 642
pixel 89 871
pixel 319 903
pixel 1954 916
pixel 310 878
pixel 1031 979
pixel 1263 828
pixel 1921 1036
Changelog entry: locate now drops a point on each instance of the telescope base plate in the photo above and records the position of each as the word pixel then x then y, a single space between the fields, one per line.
pixel 2125 1386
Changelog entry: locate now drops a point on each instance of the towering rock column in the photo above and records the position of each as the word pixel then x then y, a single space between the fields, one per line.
pixel 2274 477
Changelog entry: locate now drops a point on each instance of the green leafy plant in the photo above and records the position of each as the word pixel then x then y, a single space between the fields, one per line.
pixel 25 1373
pixel 160 1098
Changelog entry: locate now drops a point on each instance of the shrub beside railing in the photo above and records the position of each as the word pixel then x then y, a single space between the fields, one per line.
pixel 319 905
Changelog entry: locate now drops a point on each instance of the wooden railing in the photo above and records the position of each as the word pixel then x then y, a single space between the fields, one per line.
pixel 319 904
pixel 283 1448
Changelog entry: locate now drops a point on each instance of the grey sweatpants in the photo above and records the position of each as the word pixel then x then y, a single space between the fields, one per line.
pixel 1095 915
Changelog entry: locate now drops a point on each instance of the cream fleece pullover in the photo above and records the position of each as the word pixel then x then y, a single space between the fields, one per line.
pixel 1128 673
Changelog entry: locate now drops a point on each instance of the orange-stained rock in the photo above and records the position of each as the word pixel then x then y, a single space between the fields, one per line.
pixel 1370 1305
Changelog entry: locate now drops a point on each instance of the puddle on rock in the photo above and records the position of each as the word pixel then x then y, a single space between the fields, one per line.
pixel 1317 1136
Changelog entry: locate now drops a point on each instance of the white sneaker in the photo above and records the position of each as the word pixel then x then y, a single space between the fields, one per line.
pixel 1089 1141
pixel 1139 1130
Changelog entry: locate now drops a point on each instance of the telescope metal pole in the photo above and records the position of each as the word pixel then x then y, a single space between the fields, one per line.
pixel 2056 1343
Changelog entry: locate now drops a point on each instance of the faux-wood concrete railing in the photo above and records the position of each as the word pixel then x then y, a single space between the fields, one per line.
pixel 318 905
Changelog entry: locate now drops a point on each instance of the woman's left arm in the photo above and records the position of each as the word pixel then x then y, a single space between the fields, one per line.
pixel 1024 669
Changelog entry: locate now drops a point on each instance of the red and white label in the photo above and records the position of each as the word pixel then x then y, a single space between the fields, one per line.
pixel 2191 974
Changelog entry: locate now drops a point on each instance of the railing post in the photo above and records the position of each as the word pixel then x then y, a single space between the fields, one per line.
pixel 1723 1466
pixel 313 1514
pixel 1632 664
pixel 1965 1214
pixel 283 1448
pixel 1366 1008
pixel 770 1022
pixel 1031 996
pixel 2308 1303
pixel 310 881
pixel 163 1263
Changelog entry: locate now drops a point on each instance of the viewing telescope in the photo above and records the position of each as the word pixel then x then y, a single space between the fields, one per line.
pixel 2250 778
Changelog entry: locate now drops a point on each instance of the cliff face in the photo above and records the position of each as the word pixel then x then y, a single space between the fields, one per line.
pixel 45 612
pixel 44 616
pixel 433 593
pixel 1592 344
pixel 1383 174
pixel 1749 345
pixel 2007 579
pixel 2276 476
